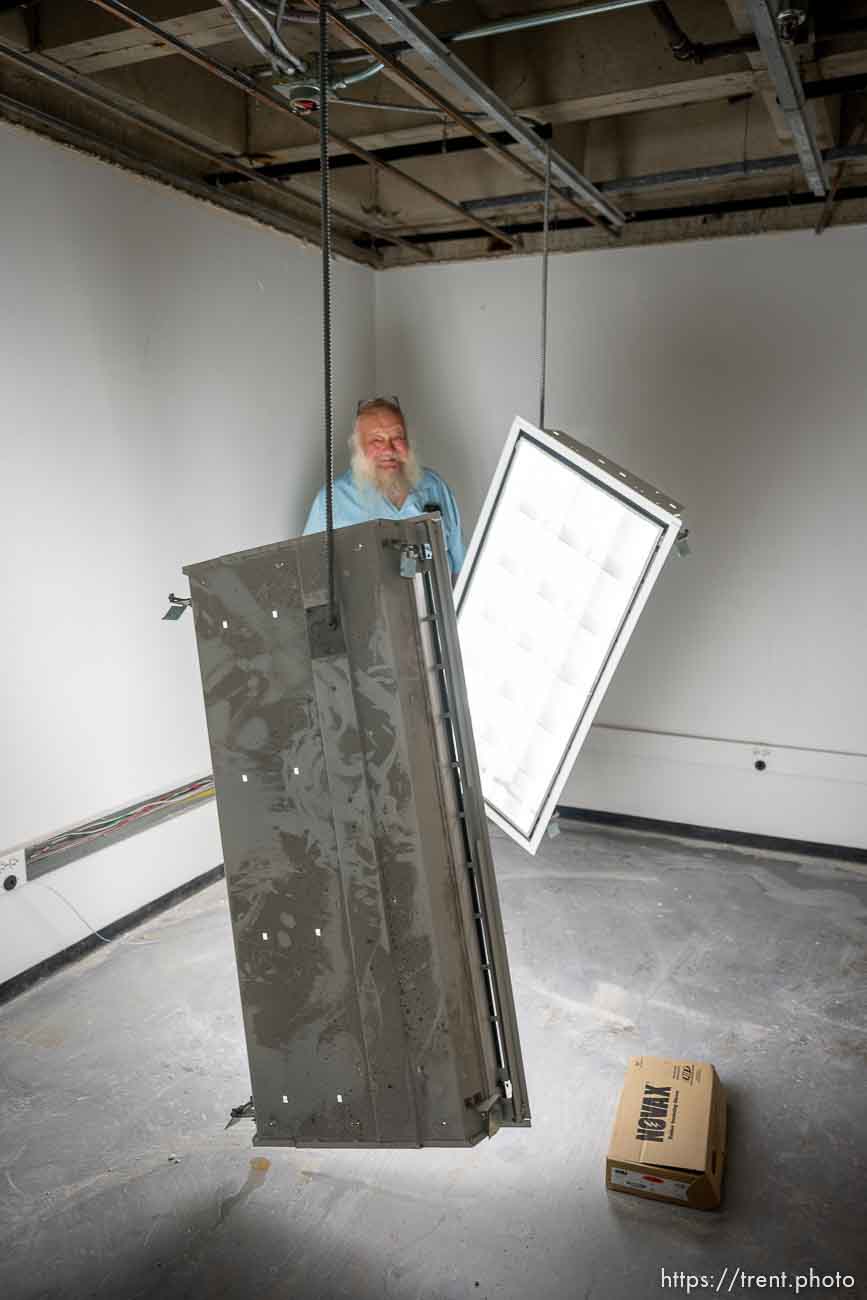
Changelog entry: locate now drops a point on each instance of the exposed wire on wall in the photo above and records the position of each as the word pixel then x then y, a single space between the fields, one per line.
pixel 130 943
pixel 97 827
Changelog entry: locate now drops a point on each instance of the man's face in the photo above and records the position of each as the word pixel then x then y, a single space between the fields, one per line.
pixel 382 440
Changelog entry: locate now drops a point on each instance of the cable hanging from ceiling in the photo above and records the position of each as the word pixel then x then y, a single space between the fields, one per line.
pixel 325 203
pixel 543 323
pixel 283 61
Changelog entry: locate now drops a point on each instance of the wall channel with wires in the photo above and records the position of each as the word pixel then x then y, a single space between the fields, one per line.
pixel 33 861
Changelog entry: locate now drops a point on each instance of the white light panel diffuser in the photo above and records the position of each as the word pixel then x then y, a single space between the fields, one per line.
pixel 566 551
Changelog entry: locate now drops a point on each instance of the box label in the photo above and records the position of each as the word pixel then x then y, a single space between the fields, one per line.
pixel 650 1125
pixel 673 1188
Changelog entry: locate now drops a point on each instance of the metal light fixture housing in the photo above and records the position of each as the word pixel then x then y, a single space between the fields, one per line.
pixel 371 958
pixel 565 554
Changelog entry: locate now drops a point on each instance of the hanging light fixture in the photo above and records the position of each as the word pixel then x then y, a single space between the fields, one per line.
pixel 372 962
pixel 566 552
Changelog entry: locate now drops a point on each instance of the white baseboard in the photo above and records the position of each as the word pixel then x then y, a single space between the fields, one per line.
pixel 803 794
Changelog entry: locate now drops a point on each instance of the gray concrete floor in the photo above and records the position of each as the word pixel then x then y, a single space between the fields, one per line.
pixel 117 1178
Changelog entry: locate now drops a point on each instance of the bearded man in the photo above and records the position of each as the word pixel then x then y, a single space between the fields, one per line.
pixel 385 480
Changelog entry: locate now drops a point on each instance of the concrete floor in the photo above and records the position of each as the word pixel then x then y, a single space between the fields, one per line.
pixel 117 1178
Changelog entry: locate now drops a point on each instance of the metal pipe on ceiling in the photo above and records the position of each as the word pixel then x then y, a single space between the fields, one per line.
pixel 678 42
pixel 251 88
pixel 400 108
pixel 380 106
pixel 686 212
pixel 353 78
pixel 681 176
pixel 683 47
pixel 361 12
pixel 304 17
pixel 695 50
pixel 85 89
pixel 544 19
pixel 525 22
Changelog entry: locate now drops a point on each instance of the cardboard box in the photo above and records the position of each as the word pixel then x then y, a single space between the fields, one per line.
pixel 669 1135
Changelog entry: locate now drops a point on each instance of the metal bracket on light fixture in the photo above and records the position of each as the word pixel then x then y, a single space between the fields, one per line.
pixel 177 605
pixel 491 1112
pixel 682 545
pixel 244 1111
pixel 553 828
pixel 414 557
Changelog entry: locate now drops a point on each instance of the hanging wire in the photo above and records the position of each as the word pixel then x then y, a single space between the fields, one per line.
pixel 130 943
pixel 274 49
pixel 543 346
pixel 325 198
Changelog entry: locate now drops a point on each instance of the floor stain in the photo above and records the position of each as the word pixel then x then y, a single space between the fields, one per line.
pixel 259 1167
pixel 40 1035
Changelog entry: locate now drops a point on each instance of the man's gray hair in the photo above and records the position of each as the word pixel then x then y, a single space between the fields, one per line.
pixel 377 404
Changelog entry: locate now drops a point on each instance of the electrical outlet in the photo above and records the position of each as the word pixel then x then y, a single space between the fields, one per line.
pixel 13 870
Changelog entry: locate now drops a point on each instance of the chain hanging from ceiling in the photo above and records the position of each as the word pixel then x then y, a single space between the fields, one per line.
pixel 267 40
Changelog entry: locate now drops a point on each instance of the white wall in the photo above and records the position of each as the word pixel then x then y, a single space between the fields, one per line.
pixel 730 374
pixel 160 365
pixel 160 368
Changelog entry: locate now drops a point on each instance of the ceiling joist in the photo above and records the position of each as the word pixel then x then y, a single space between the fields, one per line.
pixel 677 112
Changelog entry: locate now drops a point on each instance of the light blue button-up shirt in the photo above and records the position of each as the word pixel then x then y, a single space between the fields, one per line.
pixel 355 505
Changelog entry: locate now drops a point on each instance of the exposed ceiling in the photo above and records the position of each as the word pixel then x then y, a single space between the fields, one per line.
pixel 662 122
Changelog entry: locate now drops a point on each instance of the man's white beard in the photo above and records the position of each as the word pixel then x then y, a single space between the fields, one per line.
pixel 397 482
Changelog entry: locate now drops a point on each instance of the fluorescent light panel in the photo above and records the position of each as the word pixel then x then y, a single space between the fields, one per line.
pixel 565 553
